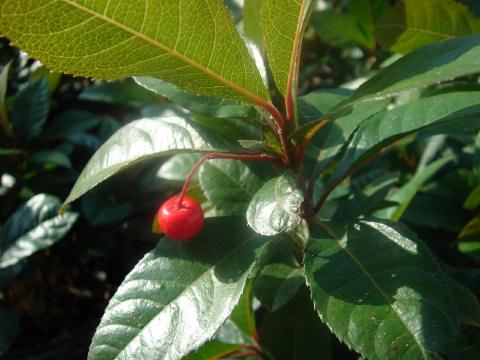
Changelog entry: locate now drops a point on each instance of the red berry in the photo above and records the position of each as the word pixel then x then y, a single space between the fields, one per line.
pixel 180 222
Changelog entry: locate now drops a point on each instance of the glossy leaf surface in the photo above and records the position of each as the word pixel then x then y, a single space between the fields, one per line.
pixel 35 226
pixel 276 207
pixel 190 43
pixel 143 139
pixel 380 290
pixel 386 127
pixel 178 294
pixel 415 23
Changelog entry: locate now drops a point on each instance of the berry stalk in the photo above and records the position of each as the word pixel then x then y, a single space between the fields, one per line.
pixel 260 157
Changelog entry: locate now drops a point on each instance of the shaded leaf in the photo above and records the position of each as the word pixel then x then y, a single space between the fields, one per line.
pixel 45 157
pixel 144 139
pixel 178 295
pixel 8 328
pixel 178 167
pixel 468 306
pixel 380 290
pixel 35 226
pixel 229 185
pixel 383 129
pixel 277 284
pixel 213 349
pixel 68 123
pixel 101 208
pixel 205 105
pixel 277 206
pixel 30 109
pixel 430 64
pixel 121 92
pixel 116 39
pixel 414 23
pixel 296 332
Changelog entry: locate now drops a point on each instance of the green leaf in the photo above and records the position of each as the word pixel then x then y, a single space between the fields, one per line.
pixel 116 39
pixel 277 206
pixel 68 123
pixel 101 208
pixel 35 226
pixel 284 22
pixel 415 23
pixel 30 109
pixel 277 284
pixel 4 84
pixel 178 167
pixel 144 139
pixel 229 185
pixel 243 316
pixel 406 193
pixel 178 295
pixel 473 200
pixel 205 105
pixel 384 128
pixel 296 332
pixel 120 92
pixel 252 22
pixel 468 306
pixel 379 289
pixel 8 328
pixel 428 65
pixel 213 350
pixel 44 157
pixel 317 104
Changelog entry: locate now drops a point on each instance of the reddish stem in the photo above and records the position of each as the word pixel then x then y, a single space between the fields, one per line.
pixel 262 157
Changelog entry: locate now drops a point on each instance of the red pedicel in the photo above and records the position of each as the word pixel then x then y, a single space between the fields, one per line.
pixel 180 222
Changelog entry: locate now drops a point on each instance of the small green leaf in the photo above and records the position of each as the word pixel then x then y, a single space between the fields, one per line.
pixel 229 185
pixel 406 193
pixel 45 157
pixel 243 316
pixel 144 139
pixel 68 123
pixel 296 332
pixel 473 200
pixel 178 295
pixel 4 84
pixel 213 349
pixel 379 289
pixel 277 206
pixel 414 23
pixel 205 105
pixel 35 226
pixel 178 167
pixel 277 284
pixel 30 109
pixel 117 39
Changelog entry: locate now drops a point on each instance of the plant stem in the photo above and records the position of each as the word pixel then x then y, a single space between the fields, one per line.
pixel 261 157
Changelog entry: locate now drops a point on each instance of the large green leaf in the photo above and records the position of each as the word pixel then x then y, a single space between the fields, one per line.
pixel 178 295
pixel 380 290
pixel 205 105
pixel 35 226
pixel 415 23
pixel 229 185
pixel 190 43
pixel 430 64
pixel 277 284
pixel 284 23
pixel 295 331
pixel 143 139
pixel 30 109
pixel 277 206
pixel 460 109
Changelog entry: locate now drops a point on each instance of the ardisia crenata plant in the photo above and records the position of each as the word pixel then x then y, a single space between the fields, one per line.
pixel 278 225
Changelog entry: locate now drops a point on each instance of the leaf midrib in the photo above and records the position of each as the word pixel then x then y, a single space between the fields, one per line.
pixel 337 239
pixel 254 98
pixel 192 284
